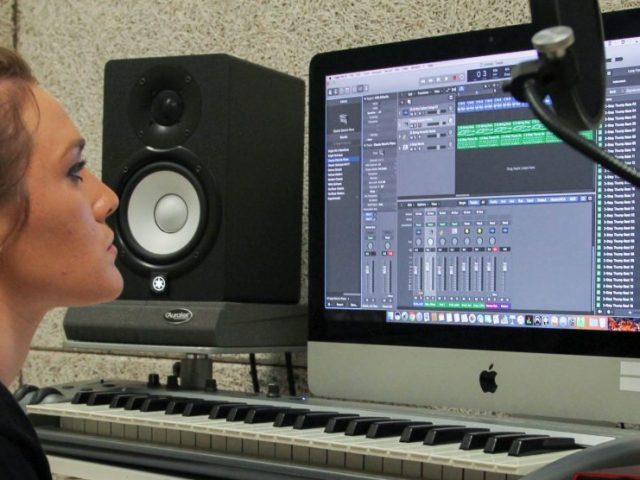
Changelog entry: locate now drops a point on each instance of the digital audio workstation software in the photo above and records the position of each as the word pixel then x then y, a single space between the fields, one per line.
pixel 447 202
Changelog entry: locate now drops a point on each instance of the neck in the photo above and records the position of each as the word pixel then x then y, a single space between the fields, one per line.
pixel 17 327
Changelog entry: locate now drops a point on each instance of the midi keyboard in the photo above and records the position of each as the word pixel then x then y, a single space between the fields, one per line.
pixel 237 435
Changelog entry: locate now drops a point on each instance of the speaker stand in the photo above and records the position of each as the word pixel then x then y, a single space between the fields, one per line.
pixel 155 349
pixel 187 327
pixel 196 372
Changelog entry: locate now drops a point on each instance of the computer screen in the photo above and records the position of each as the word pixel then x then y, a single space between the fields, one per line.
pixel 447 217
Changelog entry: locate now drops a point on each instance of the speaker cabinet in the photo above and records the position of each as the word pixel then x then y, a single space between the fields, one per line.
pixel 206 155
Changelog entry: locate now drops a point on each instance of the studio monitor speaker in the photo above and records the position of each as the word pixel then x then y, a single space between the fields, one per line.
pixel 206 155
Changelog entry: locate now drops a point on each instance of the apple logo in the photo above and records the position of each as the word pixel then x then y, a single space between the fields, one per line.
pixel 488 380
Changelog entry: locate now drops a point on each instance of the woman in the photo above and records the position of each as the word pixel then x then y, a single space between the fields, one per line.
pixel 55 247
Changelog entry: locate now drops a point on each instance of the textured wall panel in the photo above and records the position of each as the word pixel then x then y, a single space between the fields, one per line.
pixel 6 24
pixel 69 41
pixel 44 368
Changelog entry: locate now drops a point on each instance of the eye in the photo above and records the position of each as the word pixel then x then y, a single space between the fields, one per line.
pixel 74 171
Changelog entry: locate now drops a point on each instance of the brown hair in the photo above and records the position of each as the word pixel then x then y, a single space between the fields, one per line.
pixel 16 143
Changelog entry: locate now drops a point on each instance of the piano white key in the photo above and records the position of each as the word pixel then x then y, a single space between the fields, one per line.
pixel 144 434
pixel 284 452
pixel 431 471
pixel 287 434
pixel 131 432
pixel 91 427
pixel 452 473
pixel 491 476
pixel 411 469
pixel 173 436
pixel 354 461
pixel 300 454
pixel 104 429
pixel 203 441
pixel 317 456
pixel 66 423
pixel 218 442
pixel 159 435
pixel 234 445
pixel 187 439
pixel 478 475
pixel 117 430
pixel 246 429
pixel 266 449
pixel 83 407
pixel 519 465
pixel 372 464
pixel 392 466
pixel 335 458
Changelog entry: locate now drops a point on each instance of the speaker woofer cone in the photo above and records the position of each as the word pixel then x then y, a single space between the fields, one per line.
pixel 164 198
pixel 166 214
pixel 171 213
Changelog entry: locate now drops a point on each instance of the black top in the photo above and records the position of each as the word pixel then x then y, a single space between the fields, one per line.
pixel 21 456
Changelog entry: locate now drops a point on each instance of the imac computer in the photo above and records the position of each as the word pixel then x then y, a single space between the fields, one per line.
pixel 460 254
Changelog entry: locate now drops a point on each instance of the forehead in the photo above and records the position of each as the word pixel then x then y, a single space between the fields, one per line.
pixel 52 129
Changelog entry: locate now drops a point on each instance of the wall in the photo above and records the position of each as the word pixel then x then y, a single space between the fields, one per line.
pixel 69 41
pixel 6 24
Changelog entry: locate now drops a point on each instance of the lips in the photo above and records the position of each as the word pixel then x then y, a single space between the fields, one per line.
pixel 112 248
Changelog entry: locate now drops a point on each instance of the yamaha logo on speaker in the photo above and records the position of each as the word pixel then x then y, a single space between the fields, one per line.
pixel 178 316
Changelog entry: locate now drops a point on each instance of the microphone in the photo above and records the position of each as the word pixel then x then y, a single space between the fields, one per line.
pixel 570 70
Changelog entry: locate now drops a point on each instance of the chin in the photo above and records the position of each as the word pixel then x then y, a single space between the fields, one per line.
pixel 106 290
pixel 115 288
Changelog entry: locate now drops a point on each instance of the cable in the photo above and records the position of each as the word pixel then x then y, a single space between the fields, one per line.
pixel 254 372
pixel 550 120
pixel 290 378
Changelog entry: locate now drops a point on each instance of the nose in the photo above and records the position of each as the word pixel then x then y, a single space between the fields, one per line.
pixel 106 203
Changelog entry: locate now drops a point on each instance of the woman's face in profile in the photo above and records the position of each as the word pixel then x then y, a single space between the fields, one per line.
pixel 64 255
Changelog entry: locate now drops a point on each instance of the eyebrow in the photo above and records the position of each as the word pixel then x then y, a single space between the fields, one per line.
pixel 77 143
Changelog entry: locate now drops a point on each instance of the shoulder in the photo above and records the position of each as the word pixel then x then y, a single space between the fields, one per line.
pixel 21 456
pixel 13 419
pixel 23 461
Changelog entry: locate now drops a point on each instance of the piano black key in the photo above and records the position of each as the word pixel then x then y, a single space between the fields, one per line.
pixel 478 440
pixel 200 407
pixel 315 419
pixel 263 414
pixel 177 405
pixel 541 444
pixel 223 409
pixel 155 404
pixel 418 432
pixel 239 413
pixel 339 424
pixel 120 400
pixel 359 426
pixel 288 417
pixel 389 428
pixel 442 435
pixel 135 402
pixel 81 397
pixel 101 398
pixel 501 443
